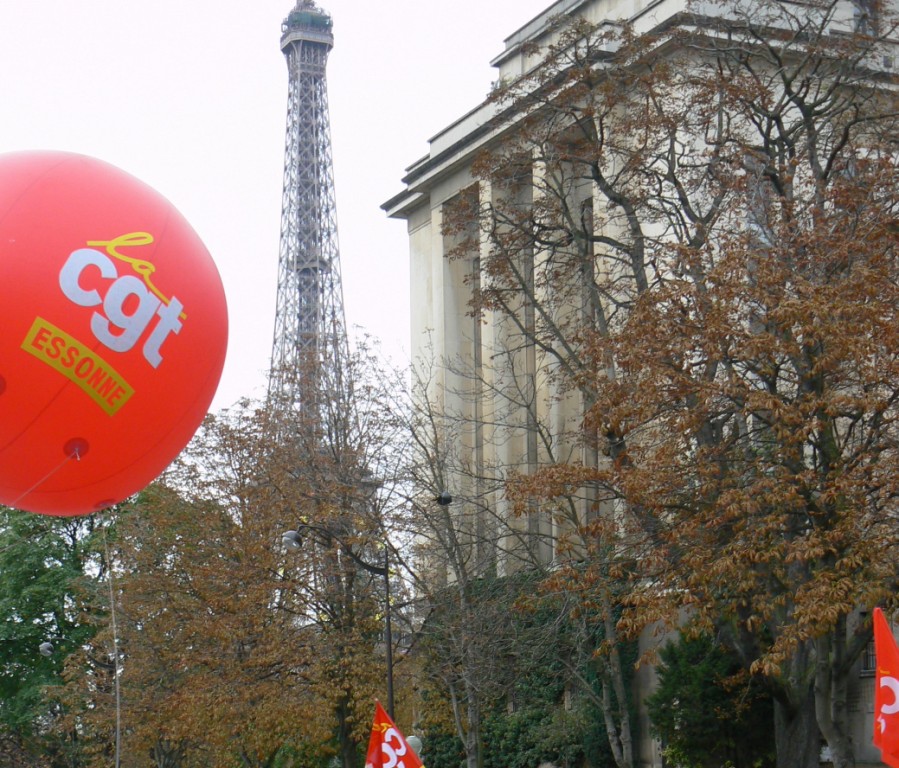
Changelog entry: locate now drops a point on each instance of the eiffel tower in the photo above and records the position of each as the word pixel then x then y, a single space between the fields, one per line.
pixel 310 342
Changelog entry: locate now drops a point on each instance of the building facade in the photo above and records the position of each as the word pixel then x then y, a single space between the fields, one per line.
pixel 499 374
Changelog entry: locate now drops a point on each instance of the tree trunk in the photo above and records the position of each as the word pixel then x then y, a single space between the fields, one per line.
pixel 473 737
pixel 469 733
pixel 348 751
pixel 166 754
pixel 796 734
pixel 832 694
pixel 620 736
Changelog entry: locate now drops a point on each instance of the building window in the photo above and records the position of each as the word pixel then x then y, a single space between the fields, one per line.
pixel 869 661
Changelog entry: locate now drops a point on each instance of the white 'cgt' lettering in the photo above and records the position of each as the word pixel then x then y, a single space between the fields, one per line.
pixel 114 327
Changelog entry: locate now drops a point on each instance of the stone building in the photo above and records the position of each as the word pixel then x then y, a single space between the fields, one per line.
pixel 510 413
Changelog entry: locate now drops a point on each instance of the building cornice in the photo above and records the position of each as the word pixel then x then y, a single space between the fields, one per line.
pixel 453 147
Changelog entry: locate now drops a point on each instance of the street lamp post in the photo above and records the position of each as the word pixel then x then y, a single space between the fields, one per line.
pixel 293 540
pixel 388 635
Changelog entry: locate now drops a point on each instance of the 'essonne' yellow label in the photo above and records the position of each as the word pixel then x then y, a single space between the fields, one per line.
pixel 81 365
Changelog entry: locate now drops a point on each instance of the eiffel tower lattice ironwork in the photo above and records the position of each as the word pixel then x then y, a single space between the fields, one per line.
pixel 310 332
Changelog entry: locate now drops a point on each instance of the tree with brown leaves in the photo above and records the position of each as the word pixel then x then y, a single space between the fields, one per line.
pixel 692 231
pixel 234 648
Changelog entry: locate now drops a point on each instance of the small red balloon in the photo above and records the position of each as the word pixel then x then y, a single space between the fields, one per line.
pixel 113 329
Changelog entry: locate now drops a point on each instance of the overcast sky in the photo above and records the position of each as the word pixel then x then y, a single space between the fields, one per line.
pixel 191 95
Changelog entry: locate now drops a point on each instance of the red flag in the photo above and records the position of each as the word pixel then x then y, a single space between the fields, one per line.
pixel 387 747
pixel 886 691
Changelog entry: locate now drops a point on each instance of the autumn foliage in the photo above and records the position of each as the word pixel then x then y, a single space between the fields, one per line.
pixel 696 232
pixel 233 648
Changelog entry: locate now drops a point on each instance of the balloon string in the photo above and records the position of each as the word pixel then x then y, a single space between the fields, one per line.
pixel 115 648
pixel 46 477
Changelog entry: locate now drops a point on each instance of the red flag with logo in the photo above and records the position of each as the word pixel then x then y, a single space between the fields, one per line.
pixel 387 747
pixel 886 691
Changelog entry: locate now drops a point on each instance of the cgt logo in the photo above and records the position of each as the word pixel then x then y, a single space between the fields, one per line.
pixel 892 683
pixel 128 303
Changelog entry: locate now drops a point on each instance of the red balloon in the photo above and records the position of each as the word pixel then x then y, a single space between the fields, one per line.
pixel 113 328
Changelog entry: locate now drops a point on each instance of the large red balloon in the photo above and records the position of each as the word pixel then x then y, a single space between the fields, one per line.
pixel 113 328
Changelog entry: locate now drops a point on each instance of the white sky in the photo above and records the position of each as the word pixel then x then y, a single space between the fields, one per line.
pixel 191 96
